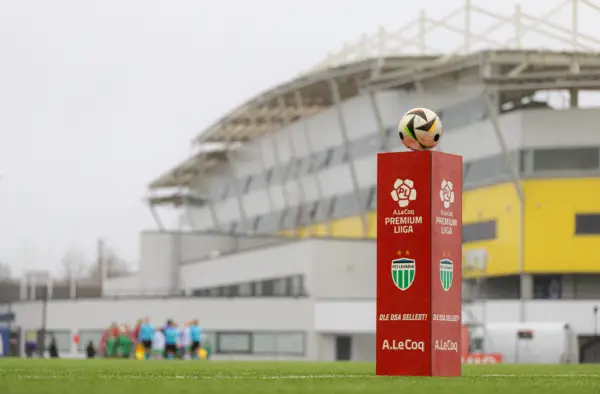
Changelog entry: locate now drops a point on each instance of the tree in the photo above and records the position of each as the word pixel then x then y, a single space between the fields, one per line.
pixel 115 265
pixel 74 264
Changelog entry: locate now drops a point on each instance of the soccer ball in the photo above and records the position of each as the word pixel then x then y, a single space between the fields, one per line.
pixel 420 129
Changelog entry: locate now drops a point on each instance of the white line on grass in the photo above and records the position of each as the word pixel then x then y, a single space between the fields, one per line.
pixel 558 375
pixel 276 377
pixel 192 377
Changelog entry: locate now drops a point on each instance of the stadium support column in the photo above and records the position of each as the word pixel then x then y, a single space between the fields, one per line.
pixel 263 164
pixel 279 164
pixel 157 219
pixel 236 184
pixel 294 155
pixel 201 185
pixel 525 285
pixel 311 151
pixel 419 254
pixel 361 205
pixel 383 135
pixel 187 210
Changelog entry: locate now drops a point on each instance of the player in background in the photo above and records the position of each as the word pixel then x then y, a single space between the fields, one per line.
pixel 171 338
pixel 196 338
pixel 185 342
pixel 145 337
pixel 158 345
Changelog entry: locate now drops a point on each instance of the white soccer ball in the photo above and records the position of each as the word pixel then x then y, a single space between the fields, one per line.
pixel 420 129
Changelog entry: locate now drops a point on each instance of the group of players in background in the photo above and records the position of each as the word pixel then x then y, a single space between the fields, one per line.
pixel 151 342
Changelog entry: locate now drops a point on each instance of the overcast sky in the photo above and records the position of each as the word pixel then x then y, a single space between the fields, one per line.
pixel 97 98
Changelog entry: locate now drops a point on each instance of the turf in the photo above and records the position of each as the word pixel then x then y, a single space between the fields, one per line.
pixel 19 376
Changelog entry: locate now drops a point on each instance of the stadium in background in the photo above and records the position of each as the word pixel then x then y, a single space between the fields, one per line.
pixel 275 248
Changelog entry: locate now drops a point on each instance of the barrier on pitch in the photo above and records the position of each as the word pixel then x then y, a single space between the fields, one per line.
pixel 483 358
pixel 4 342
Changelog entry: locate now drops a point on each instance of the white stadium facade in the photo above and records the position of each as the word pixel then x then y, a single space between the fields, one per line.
pixel 276 248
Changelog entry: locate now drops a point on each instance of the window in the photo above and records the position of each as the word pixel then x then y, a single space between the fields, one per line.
pixel 566 159
pixel 214 292
pixel 482 231
pixel 305 166
pixel 307 213
pixel 339 155
pixel 587 224
pixel 327 158
pixel 372 200
pixel 278 175
pixel 201 293
pixel 245 290
pixel 264 343
pixel 228 291
pixel 323 210
pixel 257 289
pixel 365 146
pixel 293 169
pixel 279 287
pixel 345 206
pixel 463 113
pixel 267 288
pixel 290 219
pixel 63 339
pixel 290 344
pixel 277 343
pixel 85 336
pixel 232 342
pixel 289 286
pixel 295 286
pixel 269 176
pixel 255 223
pixel 488 169
pixel 258 182
pixel 209 338
pixel 268 223
pixel 225 191
pixel 247 183
pixel 547 286
pixel 298 285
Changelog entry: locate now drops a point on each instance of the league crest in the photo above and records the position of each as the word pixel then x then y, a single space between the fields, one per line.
pixel 403 272
pixel 446 273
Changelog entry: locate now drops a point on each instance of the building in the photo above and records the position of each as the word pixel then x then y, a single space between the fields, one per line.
pixel 276 251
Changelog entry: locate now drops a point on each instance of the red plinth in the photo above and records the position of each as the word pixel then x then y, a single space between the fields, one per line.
pixel 419 252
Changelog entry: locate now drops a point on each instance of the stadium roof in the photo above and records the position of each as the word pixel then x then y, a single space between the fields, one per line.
pixel 374 64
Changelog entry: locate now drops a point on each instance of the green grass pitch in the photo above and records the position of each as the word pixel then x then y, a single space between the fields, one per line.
pixel 19 376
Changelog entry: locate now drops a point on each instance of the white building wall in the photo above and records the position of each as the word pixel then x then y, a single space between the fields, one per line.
pixel 123 285
pixel 157 253
pixel 332 268
pixel 363 347
pixel 359 317
pixel 276 261
pixel 216 314
pixel 163 252
pixel 579 314
pixel 275 315
pixel 344 316
pixel 568 127
pixel 345 269
pixel 478 140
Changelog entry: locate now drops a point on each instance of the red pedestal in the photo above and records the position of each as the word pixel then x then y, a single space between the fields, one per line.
pixel 419 252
